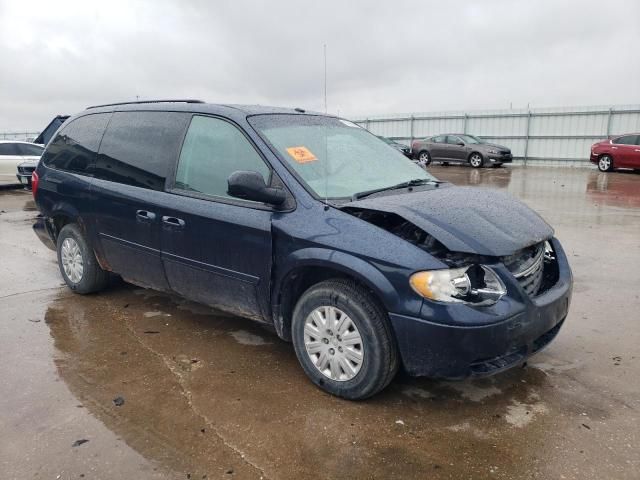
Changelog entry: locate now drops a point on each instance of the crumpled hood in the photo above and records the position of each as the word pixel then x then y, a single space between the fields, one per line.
pixel 467 219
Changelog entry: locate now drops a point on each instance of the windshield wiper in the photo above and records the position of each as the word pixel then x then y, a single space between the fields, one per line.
pixel 411 183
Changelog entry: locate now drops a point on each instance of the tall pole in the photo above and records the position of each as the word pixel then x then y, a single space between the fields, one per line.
pixel 526 140
pixel 325 78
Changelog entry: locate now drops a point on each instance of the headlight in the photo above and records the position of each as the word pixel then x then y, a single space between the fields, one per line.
pixel 474 284
pixel 494 151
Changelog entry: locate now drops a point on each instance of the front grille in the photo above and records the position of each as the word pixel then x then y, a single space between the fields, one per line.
pixel 528 267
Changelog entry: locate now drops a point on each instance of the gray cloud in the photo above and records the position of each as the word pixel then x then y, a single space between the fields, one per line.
pixel 383 56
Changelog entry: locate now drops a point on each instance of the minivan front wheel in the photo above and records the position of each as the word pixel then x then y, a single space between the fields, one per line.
pixel 476 160
pixel 343 339
pixel 77 262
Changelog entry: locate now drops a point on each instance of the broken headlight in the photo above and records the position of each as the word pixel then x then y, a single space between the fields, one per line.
pixel 474 284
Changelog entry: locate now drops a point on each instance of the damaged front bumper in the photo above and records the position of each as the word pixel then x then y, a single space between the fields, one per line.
pixel 458 341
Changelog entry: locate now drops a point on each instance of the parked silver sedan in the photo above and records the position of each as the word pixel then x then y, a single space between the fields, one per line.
pixel 460 148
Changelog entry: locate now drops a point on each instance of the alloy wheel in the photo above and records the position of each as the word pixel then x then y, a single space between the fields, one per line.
pixel 71 258
pixel 475 160
pixel 604 163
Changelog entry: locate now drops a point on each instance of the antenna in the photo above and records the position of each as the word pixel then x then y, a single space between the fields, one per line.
pixel 326 158
pixel 325 78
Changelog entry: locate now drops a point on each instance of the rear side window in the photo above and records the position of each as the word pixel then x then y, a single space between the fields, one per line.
pixel 453 140
pixel 9 149
pixel 139 148
pixel 627 140
pixel 74 148
pixel 439 139
pixel 213 149
pixel 30 150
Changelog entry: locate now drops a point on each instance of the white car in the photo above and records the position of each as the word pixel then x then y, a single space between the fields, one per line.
pixel 13 153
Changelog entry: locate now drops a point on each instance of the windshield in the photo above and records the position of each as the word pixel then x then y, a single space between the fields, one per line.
pixel 335 158
pixel 470 139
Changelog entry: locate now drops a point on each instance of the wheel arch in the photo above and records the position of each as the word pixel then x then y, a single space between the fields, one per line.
pixel 311 266
pixel 63 214
pixel 472 152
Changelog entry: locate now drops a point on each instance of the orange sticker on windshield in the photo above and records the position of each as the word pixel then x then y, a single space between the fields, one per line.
pixel 301 154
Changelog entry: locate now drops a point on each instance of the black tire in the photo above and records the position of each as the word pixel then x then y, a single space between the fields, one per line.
pixel 380 356
pixel 424 158
pixel 93 277
pixel 476 160
pixel 605 163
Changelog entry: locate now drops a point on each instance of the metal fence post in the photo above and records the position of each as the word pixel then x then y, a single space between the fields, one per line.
pixel 411 132
pixel 609 122
pixel 526 139
pixel 464 127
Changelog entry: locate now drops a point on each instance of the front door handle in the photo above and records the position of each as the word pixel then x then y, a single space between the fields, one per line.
pixel 145 216
pixel 173 222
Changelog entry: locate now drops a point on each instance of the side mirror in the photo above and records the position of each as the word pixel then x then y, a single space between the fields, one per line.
pixel 250 185
pixel 460 144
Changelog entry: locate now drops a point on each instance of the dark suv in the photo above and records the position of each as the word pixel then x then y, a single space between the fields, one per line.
pixel 308 223
pixel 460 148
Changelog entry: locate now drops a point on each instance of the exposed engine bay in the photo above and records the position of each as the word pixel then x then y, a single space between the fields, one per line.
pixel 534 267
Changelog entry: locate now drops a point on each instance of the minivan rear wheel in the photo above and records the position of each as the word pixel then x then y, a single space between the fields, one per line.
pixel 343 339
pixel 77 262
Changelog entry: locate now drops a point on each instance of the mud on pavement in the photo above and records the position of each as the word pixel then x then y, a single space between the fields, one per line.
pixel 162 388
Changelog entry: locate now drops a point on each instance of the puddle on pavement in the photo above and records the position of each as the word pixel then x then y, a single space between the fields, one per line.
pixel 206 393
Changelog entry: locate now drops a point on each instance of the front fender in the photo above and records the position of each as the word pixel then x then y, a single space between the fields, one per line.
pixel 350 265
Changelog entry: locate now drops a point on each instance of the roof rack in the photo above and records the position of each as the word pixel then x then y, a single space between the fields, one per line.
pixel 187 100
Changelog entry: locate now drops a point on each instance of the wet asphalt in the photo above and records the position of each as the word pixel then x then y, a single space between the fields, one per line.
pixel 131 383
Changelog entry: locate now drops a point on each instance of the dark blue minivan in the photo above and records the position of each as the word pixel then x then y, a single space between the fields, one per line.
pixel 311 224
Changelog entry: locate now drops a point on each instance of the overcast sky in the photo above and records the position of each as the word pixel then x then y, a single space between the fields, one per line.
pixel 384 56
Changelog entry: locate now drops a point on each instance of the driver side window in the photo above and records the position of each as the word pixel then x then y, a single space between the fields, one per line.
pixel 213 149
pixel 453 140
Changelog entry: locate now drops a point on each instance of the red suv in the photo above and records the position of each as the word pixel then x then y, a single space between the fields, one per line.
pixel 619 152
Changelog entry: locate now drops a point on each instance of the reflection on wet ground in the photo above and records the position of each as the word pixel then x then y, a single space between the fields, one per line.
pixel 201 394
